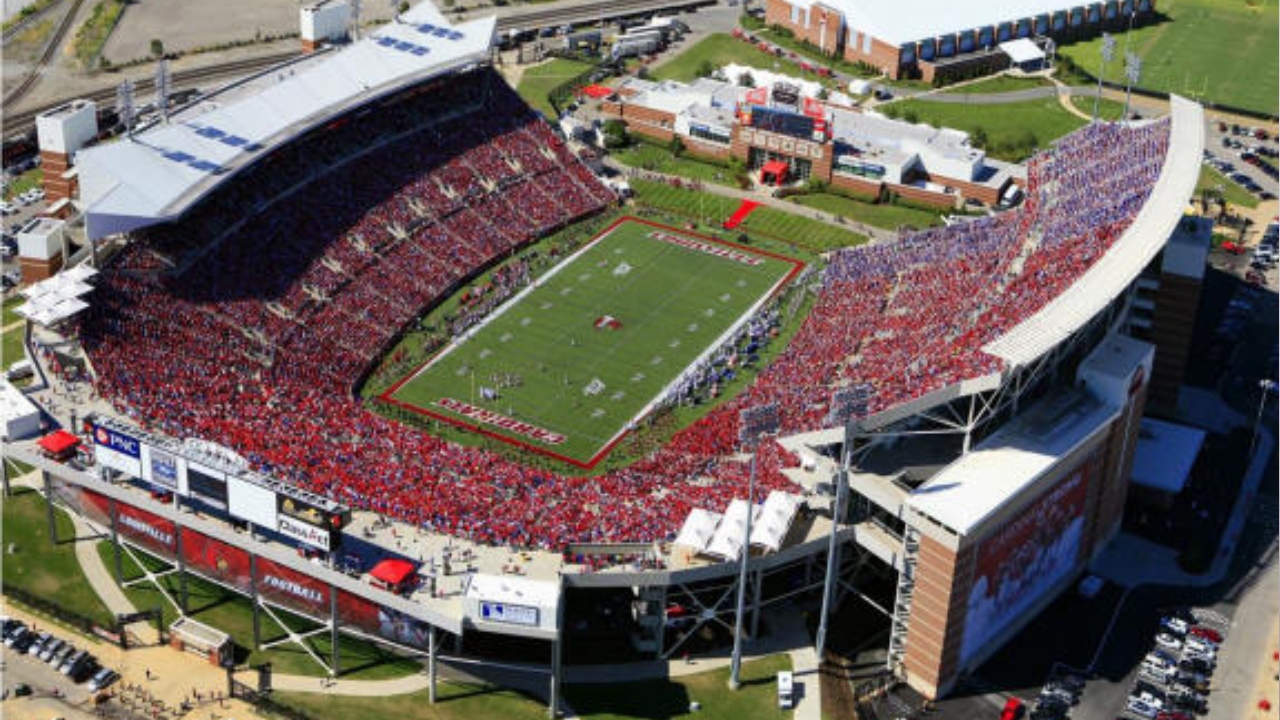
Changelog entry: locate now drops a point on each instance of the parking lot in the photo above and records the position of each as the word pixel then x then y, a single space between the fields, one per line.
pixel 1246 155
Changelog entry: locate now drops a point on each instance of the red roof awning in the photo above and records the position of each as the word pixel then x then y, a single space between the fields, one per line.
pixel 393 571
pixel 596 91
pixel 58 442
pixel 775 167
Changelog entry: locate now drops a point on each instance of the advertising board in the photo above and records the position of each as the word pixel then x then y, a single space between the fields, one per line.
pixel 290 588
pixel 164 469
pixel 1022 560
pixel 207 485
pixel 508 614
pixel 117 450
pixel 382 621
pixel 217 560
pixel 311 535
pixel 252 502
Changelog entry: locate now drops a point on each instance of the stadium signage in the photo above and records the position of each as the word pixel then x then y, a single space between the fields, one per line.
pixel 296 589
pixel 305 512
pixel 164 469
pixel 154 533
pixel 780 143
pixel 117 450
pixel 303 532
pixel 509 614
pixel 707 248
pixel 499 420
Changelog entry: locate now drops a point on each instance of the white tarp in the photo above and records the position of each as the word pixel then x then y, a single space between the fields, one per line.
pixel 698 529
pixel 1022 51
pixel 775 520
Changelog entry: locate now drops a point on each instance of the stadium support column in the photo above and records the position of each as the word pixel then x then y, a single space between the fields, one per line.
pixel 115 539
pixel 833 546
pixel 184 598
pixel 333 628
pixel 253 598
pixel 431 664
pixel 755 603
pixel 46 479
pixel 557 651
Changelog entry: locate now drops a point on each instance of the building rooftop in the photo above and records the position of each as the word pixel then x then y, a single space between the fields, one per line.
pixel 1165 454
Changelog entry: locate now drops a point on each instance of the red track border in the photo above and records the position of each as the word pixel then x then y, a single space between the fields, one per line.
pixel 602 453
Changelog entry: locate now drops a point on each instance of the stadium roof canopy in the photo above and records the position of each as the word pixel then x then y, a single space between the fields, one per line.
pixel 968 491
pixel 158 174
pixel 899 22
pixel 1165 454
pixel 1136 248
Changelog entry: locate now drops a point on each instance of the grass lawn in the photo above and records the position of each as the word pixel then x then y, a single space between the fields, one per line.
pixel 563 371
pixel 10 304
pixel 648 156
pixel 883 215
pixel 791 230
pixel 537 82
pixel 454 701
pixel 757 699
pixel 24 182
pixel 93 34
pixel 1014 130
pixel 11 346
pixel 999 84
pixel 1234 194
pixel 722 49
pixel 42 568
pixel 232 613
pixel 1107 109
pixel 1223 51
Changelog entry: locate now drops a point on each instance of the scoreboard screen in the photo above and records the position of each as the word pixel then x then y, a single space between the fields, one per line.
pixel 783 122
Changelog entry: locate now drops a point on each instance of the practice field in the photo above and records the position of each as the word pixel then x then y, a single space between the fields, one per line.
pixel 1219 51
pixel 565 367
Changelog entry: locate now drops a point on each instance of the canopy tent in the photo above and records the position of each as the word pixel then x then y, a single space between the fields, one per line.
pixel 81 272
pixel 58 442
pixel 596 92
pixel 727 542
pixel 57 298
pixel 393 572
pixel 698 529
pixel 776 515
pixel 774 172
pixel 1023 53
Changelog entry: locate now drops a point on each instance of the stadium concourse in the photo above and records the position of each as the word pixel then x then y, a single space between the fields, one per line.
pixel 256 336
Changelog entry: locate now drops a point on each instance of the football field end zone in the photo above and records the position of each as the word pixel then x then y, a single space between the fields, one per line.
pixel 494 432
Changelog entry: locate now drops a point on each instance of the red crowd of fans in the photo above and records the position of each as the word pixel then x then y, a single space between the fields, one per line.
pixel 257 341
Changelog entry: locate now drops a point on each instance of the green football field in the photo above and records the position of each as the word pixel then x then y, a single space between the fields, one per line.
pixel 564 367
pixel 1218 51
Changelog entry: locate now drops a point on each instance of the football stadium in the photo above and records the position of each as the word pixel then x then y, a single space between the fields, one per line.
pixel 949 417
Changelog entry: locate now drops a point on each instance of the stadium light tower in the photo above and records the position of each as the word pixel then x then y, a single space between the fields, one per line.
pixel 124 105
pixel 1108 54
pixel 753 423
pixel 1132 71
pixel 847 404
pixel 355 19
pixel 162 88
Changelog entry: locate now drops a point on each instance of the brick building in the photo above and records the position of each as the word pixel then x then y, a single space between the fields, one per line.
pixel 860 153
pixel 941 38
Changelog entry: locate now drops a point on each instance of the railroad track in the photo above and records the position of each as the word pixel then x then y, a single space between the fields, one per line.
pixel 50 49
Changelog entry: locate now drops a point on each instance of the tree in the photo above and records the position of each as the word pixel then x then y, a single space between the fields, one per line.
pixel 157 47
pixel 615 134
pixel 676 146
pixel 979 137
pixel 746 80
pixel 824 94
pixel 706 69
pixel 911 116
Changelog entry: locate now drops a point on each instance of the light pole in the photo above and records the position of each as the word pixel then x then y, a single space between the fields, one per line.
pixel 1268 387
pixel 847 404
pixel 753 422
pixel 1108 54
pixel 1132 71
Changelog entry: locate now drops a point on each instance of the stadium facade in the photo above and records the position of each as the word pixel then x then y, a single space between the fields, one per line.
pixel 983 495
pixel 931 39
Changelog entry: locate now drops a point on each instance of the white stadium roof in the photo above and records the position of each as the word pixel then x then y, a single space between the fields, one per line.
pixel 965 493
pixel 898 22
pixel 1135 249
pixel 159 173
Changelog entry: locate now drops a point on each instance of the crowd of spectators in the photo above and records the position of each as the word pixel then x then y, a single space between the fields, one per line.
pixel 254 336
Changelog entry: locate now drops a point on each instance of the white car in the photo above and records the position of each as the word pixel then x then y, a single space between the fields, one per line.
pixel 1174 625
pixel 1196 646
pixel 1136 705
pixel 1168 642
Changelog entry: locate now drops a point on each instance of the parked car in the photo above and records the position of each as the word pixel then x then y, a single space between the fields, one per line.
pixel 70 660
pixel 1168 642
pixel 1208 633
pixel 1172 715
pixel 1176 625
pixel 1139 707
pixel 1201 647
pixel 1013 709
pixel 35 647
pixel 103 679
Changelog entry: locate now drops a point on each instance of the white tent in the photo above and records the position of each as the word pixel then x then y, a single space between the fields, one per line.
pixel 82 272
pixel 1024 53
pixel 775 520
pixel 698 529
pixel 727 542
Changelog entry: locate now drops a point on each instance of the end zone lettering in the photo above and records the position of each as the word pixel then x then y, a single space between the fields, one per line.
pixel 707 248
pixel 490 417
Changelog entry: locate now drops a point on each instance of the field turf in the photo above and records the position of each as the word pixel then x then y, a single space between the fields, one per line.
pixel 1219 51
pixel 581 354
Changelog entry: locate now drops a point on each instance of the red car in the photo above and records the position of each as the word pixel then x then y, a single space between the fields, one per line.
pixel 1209 634
pixel 1172 715
pixel 1012 709
pixel 1232 248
